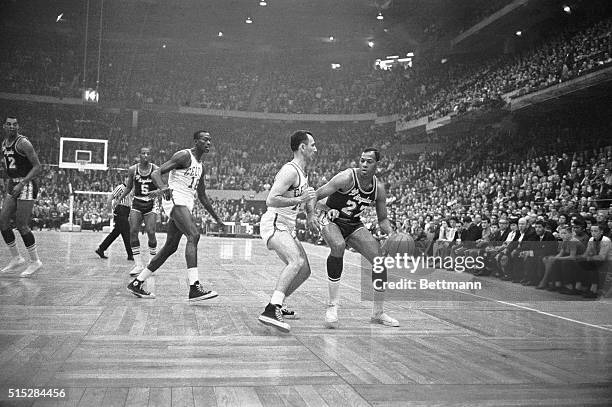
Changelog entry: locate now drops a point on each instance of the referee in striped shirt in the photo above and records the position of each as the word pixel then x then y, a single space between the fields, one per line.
pixel 121 213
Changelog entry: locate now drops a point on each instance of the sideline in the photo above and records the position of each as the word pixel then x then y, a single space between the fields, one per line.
pixel 490 299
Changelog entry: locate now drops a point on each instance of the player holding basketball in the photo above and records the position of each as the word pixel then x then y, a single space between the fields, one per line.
pixel 289 192
pixel 143 206
pixel 22 167
pixel 348 193
pixel 186 180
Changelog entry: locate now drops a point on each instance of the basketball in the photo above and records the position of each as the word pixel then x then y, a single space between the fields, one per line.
pixel 399 243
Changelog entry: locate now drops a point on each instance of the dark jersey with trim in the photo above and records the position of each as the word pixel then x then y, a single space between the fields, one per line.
pixel 143 183
pixel 351 203
pixel 17 164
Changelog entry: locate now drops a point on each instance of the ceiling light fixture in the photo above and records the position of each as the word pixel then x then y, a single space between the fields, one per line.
pixel 567 9
pixel 331 38
pixel 220 34
pixel 380 16
pixel 519 33
pixel 248 20
pixel 262 3
pixel 371 44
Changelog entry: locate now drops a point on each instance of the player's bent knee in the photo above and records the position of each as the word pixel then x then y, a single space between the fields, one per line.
pixel 297 263
pixel 193 238
pixel 337 248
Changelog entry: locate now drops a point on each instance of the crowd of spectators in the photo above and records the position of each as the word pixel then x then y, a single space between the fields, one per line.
pixel 427 89
pixel 456 88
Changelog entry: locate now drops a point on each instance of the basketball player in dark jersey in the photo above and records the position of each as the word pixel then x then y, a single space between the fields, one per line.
pixel 348 193
pixel 143 206
pixel 22 167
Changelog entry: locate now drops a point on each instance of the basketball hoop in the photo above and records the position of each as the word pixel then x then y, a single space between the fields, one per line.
pixel 81 164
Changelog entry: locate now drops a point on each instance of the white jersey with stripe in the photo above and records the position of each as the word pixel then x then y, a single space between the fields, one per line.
pixel 184 182
pixel 288 214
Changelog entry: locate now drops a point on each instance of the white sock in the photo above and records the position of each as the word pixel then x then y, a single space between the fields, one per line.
pixel 153 251
pixel 277 298
pixel 333 288
pixel 33 253
pixel 137 258
pixel 144 274
pixel 13 249
pixel 377 304
pixel 193 275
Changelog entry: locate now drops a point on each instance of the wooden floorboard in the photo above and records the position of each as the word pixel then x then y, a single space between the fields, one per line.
pixel 73 326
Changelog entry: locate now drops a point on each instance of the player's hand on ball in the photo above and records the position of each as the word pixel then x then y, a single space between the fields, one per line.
pixel 333 214
pixel 308 194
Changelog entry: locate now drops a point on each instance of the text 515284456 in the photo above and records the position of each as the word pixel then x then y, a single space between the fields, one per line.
pixel 36 393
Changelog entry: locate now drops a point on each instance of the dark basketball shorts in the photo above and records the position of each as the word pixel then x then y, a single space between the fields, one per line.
pixel 348 227
pixel 144 207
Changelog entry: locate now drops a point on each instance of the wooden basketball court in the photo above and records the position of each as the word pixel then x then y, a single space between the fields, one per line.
pixel 73 326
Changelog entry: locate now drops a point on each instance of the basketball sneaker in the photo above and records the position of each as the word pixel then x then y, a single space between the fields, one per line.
pixel 273 316
pixel 198 293
pixel 288 313
pixel 135 287
pixel 136 270
pixel 384 319
pixel 14 263
pixel 32 268
pixel 331 316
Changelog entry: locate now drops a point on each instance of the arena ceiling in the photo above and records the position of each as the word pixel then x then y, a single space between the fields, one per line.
pixel 282 26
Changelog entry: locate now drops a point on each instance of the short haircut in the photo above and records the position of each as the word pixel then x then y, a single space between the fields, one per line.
pixel 375 150
pixel 540 222
pixel 299 137
pixel 10 116
pixel 197 133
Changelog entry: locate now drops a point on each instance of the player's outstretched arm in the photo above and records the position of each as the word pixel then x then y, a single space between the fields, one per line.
pixel 26 148
pixel 286 177
pixel 340 181
pixel 381 210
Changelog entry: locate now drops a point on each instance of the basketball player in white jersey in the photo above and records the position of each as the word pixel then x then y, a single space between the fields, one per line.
pixel 288 194
pixel 140 180
pixel 185 182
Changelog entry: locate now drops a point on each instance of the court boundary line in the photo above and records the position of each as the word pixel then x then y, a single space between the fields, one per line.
pixel 497 301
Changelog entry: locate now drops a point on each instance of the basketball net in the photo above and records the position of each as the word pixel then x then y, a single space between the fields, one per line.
pixel 81 165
